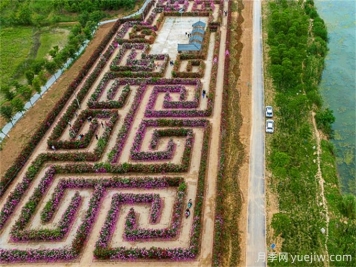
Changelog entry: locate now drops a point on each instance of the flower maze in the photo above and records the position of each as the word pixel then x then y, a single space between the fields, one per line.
pixel 108 174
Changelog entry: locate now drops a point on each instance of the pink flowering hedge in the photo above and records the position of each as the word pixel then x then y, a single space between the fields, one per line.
pixel 219 223
pixel 122 253
pixel 188 73
pixel 136 154
pixel 132 232
pixel 141 32
pixel 21 160
pixel 115 64
pixel 17 255
pixel 123 133
pixel 93 102
pixel 74 142
pixel 145 77
pixel 186 107
pixel 168 133
pixel 84 229
pixel 143 71
pixel 99 186
pixel 182 103
pixel 20 189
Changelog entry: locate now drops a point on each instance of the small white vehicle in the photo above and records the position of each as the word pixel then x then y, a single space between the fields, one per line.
pixel 269 126
pixel 269 112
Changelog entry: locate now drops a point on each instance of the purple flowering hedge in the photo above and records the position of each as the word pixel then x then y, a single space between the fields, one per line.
pixel 19 232
pixel 186 107
pixel 132 232
pixel 188 73
pixel 142 32
pixel 144 71
pixel 219 223
pixel 84 229
pixel 123 49
pixel 20 189
pixel 99 186
pixel 93 102
pixel 123 253
pixel 136 154
pixel 21 160
pixel 182 103
pixel 76 143
pixel 123 133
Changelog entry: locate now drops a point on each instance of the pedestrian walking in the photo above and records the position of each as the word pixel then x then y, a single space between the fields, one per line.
pixel 186 33
pixel 204 93
pixel 81 136
pixel 90 118
pixel 190 203
pixel 53 148
pixel 102 124
pixel 96 136
pixel 187 213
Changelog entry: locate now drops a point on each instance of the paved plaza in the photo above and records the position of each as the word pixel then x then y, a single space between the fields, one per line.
pixel 172 33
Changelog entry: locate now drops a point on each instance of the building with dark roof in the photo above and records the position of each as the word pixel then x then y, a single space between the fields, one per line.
pixel 196 39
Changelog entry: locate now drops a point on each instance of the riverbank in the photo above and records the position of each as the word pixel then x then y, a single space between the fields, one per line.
pixel 337 86
pixel 305 208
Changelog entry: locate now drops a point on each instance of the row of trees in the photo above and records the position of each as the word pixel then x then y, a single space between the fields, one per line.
pixel 297 40
pixel 40 13
pixel 91 5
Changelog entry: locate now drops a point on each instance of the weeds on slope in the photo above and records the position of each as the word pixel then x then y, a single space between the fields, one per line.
pixel 226 240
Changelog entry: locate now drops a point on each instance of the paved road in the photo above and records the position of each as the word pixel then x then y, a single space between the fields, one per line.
pixel 256 224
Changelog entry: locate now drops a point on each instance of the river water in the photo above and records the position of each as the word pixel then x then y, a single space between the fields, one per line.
pixel 338 84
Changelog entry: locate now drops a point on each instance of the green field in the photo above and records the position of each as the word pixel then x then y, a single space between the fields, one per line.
pixel 50 38
pixel 15 47
pixel 16 44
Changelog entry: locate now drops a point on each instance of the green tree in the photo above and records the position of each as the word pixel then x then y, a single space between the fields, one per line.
pixel 37 65
pixel 53 52
pixel 6 112
pixel 24 15
pixel 83 18
pixel 51 67
pixel 42 78
pixel 7 92
pixel 90 26
pixel 26 92
pixel 29 76
pixel 36 84
pixel 18 105
pixel 348 206
pixel 324 120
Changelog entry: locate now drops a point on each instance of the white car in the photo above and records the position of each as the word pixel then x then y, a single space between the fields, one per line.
pixel 269 112
pixel 269 126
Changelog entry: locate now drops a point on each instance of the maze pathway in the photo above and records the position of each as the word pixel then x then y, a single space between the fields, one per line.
pixel 108 176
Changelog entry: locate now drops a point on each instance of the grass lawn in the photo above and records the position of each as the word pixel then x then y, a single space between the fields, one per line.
pixel 15 46
pixel 50 38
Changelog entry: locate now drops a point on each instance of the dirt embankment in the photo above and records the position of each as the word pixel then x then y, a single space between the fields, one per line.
pixel 244 88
